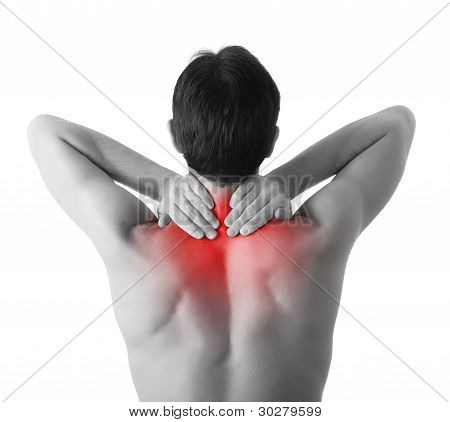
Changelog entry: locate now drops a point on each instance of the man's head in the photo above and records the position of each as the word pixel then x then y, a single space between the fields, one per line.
pixel 225 110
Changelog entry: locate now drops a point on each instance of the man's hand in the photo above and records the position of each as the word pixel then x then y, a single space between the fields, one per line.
pixel 255 202
pixel 186 202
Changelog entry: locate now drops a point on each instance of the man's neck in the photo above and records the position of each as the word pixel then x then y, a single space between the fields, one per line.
pixel 221 192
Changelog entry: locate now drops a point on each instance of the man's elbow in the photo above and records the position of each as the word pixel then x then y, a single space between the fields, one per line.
pixel 40 129
pixel 404 120
pixel 41 123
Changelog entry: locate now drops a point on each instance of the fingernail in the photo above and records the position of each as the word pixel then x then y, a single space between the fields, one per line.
pixel 245 231
pixel 198 234
pixel 216 224
pixel 227 222
pixel 230 233
pixel 211 235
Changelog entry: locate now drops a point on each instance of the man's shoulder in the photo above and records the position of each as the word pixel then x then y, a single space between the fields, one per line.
pixel 329 213
pixel 301 234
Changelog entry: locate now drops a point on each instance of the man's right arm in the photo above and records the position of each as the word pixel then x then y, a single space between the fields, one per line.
pixel 80 166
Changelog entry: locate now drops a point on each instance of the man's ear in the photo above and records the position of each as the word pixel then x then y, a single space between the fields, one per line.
pixel 272 146
pixel 172 134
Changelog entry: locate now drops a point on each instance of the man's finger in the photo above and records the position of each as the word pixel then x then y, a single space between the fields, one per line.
pixel 239 208
pixel 249 212
pixel 261 218
pixel 196 217
pixel 185 223
pixel 163 220
pixel 206 213
pixel 201 191
pixel 241 191
pixel 284 212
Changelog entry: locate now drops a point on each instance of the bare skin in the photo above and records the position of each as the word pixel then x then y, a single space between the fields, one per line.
pixel 234 318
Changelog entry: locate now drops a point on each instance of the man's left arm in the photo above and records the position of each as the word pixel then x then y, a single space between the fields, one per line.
pixel 259 199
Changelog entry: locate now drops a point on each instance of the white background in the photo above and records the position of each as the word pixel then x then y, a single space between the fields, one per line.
pixel 52 281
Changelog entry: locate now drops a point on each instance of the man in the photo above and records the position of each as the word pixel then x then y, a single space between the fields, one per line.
pixel 221 301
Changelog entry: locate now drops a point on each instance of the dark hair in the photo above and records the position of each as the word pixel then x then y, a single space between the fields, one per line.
pixel 225 110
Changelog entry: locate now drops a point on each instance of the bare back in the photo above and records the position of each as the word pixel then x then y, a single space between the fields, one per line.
pixel 233 319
